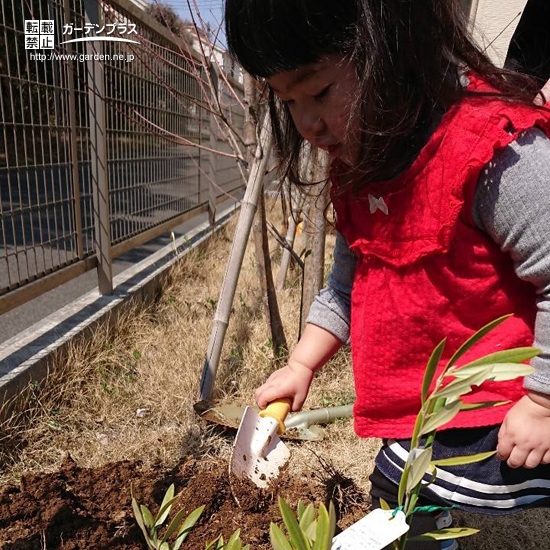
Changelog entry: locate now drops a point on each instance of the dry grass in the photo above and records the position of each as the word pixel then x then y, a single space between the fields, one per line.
pixel 129 391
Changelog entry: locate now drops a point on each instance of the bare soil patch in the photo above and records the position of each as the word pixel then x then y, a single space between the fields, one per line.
pixel 76 508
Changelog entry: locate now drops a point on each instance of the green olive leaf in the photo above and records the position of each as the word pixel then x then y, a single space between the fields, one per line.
pixel 459 387
pixel 482 405
pixel 441 417
pixel 460 460
pixel 475 338
pixel 418 467
pixel 431 368
pixel 515 355
pixel 499 372
pixel 445 534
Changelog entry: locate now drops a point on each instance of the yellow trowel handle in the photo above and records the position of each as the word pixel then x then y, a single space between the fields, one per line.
pixel 278 410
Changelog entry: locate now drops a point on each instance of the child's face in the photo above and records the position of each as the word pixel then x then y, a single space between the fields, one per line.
pixel 320 96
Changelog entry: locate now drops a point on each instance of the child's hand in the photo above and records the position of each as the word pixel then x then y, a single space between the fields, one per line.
pixel 524 437
pixel 315 348
pixel 291 381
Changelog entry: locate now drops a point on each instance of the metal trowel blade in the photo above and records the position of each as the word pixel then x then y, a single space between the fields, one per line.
pixel 258 452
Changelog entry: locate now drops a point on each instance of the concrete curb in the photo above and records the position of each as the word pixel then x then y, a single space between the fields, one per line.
pixel 23 358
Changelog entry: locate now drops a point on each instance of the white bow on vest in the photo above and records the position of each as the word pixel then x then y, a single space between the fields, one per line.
pixel 377 203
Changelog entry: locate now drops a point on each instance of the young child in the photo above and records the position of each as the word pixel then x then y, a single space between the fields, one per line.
pixel 440 166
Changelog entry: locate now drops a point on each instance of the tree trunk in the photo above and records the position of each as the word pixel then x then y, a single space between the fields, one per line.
pixel 286 257
pixel 314 257
pixel 265 274
pixel 261 243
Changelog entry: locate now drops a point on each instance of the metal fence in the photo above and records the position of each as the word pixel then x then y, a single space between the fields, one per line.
pixel 96 156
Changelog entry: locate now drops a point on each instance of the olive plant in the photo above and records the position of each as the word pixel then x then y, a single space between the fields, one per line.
pixel 440 406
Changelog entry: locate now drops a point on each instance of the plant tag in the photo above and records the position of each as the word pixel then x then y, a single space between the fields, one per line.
pixel 373 532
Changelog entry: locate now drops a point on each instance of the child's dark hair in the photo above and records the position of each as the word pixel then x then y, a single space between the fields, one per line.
pixel 408 54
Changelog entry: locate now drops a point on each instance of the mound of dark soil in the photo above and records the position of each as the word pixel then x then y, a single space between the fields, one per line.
pixel 79 508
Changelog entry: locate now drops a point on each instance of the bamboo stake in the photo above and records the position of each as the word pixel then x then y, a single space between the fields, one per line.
pixel 229 285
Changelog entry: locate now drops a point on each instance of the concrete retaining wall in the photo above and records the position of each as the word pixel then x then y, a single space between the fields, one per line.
pixel 24 358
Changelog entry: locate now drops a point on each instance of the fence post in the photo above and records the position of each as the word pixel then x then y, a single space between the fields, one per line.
pixel 211 156
pixel 98 154
pixel 73 143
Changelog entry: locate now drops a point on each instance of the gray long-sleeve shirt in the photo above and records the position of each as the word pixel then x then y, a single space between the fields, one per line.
pixel 512 205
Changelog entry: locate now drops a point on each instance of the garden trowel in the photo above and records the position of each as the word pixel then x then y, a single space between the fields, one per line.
pixel 258 453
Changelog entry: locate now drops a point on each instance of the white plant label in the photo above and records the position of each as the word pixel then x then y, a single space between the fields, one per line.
pixel 373 532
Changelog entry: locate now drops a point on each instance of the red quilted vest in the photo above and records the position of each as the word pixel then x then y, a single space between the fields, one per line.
pixel 425 271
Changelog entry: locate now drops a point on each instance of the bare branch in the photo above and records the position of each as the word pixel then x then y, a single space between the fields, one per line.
pixel 186 141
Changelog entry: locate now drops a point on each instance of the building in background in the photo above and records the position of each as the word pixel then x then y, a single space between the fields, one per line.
pixel 516 33
pixel 205 40
pixel 221 57
pixel 142 4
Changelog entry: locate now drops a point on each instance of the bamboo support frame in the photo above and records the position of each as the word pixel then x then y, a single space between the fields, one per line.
pixel 236 255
